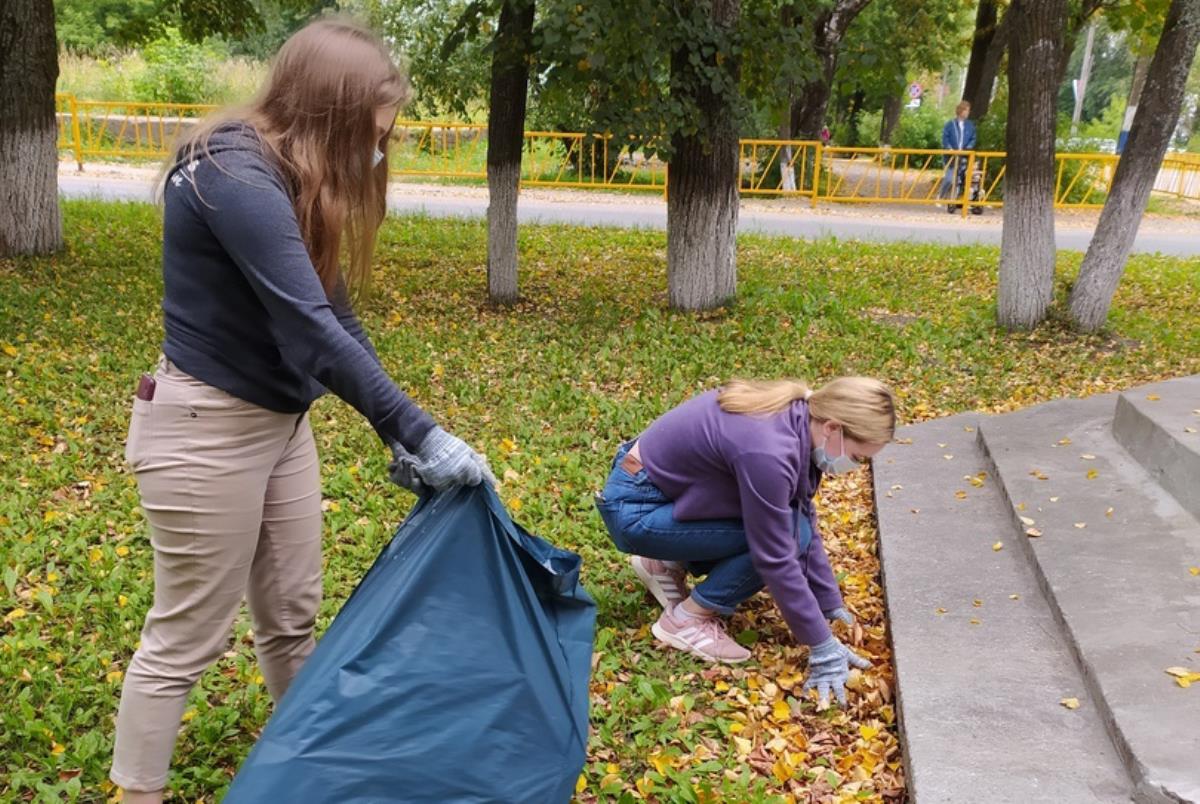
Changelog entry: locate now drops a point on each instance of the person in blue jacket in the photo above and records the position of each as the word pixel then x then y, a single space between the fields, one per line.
pixel 957 135
pixel 270 213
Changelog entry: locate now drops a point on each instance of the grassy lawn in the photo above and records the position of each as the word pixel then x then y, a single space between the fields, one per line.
pixel 547 389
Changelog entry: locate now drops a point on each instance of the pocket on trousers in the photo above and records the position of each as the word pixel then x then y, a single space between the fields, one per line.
pixel 135 439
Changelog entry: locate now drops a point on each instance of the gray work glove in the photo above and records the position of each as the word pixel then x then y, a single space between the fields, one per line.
pixel 840 614
pixel 828 668
pixel 403 471
pixel 444 461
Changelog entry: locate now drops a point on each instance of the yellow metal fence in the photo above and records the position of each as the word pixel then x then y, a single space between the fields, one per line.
pixel 964 181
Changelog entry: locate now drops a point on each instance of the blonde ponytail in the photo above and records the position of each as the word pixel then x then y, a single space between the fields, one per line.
pixel 863 406
pixel 760 397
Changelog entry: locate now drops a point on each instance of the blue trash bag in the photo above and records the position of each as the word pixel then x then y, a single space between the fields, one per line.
pixel 456 672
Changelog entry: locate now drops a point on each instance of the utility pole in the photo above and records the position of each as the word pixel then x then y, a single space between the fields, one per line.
pixel 1085 71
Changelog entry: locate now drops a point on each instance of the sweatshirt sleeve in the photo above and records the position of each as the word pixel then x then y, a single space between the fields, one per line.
pixel 820 574
pixel 248 210
pixel 765 495
pixel 346 316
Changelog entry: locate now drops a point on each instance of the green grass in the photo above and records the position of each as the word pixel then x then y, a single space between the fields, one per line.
pixel 547 389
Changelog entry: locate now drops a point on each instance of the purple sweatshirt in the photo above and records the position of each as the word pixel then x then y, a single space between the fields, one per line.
pixel 718 465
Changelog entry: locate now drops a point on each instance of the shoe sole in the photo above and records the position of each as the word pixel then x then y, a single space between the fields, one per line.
pixel 648 580
pixel 676 642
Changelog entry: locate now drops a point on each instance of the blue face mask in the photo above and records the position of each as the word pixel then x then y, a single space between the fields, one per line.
pixel 377 157
pixel 837 465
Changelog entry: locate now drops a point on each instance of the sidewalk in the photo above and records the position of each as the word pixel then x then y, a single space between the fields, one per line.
pixel 1177 235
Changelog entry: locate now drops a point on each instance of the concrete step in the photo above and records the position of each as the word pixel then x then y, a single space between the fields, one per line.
pixel 1159 425
pixel 979 687
pixel 1112 559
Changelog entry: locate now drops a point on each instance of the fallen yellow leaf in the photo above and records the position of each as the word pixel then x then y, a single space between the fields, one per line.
pixel 95 555
pixel 660 763
pixel 1194 570
pixel 1014 597
pixel 581 783
pixel 9 349
pixel 1062 442
pixel 868 732
pixel 56 749
pixel 15 614
pixel 1092 474
pixel 781 710
pixel 974 621
pixel 744 746
pixel 113 676
pixel 998 546
pixel 1153 397
pixel 1070 703
pixel 962 495
pixel 122 551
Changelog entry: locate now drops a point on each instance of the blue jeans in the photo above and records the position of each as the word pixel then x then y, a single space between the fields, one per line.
pixel 641 521
pixel 954 178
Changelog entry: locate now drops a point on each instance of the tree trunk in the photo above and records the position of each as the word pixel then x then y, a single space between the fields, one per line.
pixel 981 100
pixel 812 100
pixel 506 138
pixel 30 222
pixel 892 107
pixel 1140 68
pixel 1157 113
pixel 1027 242
pixel 702 205
pixel 985 31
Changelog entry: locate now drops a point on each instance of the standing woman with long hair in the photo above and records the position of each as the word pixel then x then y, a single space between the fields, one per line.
pixel 269 223
pixel 722 487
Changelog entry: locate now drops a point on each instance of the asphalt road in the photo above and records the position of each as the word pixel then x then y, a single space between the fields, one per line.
pixel 641 214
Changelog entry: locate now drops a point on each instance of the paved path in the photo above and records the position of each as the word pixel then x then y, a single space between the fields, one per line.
pixel 1180 237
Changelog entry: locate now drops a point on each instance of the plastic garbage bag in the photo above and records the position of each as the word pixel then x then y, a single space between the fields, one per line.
pixel 456 672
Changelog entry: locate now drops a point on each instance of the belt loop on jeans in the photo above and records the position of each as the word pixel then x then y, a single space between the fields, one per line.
pixel 631 464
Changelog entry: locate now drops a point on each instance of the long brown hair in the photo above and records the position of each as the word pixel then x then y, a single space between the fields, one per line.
pixel 862 405
pixel 315 118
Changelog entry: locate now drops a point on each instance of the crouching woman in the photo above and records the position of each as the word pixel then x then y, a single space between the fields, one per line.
pixel 722 487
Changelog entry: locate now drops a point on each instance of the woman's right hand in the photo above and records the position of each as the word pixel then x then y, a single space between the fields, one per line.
pixel 828 669
pixel 444 461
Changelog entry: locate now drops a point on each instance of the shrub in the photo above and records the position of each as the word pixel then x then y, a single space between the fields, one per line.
pixel 178 71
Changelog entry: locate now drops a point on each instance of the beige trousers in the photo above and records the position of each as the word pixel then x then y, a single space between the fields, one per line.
pixel 232 495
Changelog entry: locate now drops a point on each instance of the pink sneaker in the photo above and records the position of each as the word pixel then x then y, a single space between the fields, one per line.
pixel 704 636
pixel 667 583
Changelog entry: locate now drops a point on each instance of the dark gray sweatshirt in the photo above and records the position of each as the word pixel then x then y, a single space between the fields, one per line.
pixel 243 307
